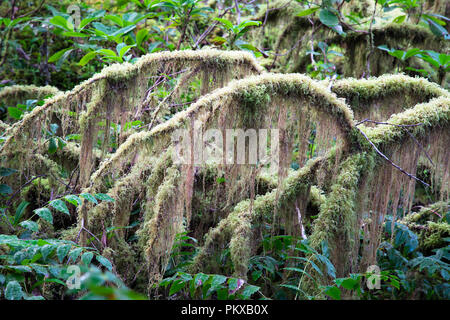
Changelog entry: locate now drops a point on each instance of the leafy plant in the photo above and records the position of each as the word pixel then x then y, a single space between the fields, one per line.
pixel 203 286
pixel 235 33
pixel 27 266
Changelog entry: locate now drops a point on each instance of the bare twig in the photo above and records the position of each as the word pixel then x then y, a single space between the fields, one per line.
pixel 422 207
pixel 210 28
pixel 238 11
pixel 389 160
pixel 8 203
pixel 404 126
pixel 266 15
pixel 313 62
pixel 420 146
pixel 371 39
pixel 183 31
pixel 387 123
pixel 34 10
pixel 83 228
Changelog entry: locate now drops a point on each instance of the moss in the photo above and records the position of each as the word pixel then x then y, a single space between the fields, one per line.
pixel 435 235
pixel 435 113
pixel 15 94
pixel 336 223
pixel 388 84
pixel 126 72
pixel 431 226
pixel 286 30
pixel 274 84
pixel 243 225
pixel 317 196
pixel 429 213
pixel 69 234
pixel 378 98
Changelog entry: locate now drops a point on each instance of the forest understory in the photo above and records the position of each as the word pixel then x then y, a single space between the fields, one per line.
pixel 224 149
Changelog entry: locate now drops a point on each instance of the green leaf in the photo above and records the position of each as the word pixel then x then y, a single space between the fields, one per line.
pixel 75 34
pixel 59 205
pixel 399 19
pixel 307 12
pixel 15 113
pixel 5 172
pixel 444 59
pixel 123 31
pixel 291 287
pixel 328 18
pixel 29 225
pixel 62 251
pixel 87 258
pixel 45 214
pixel 140 36
pixel 122 49
pixel 256 275
pixel 445 274
pixel 104 197
pixel 252 48
pixel 73 255
pixel 105 262
pixel 246 24
pixel 249 291
pixel 88 57
pixel 225 22
pixel 58 55
pixel 52 146
pixel 412 52
pixel 437 29
pixel 222 294
pixel 176 286
pixel 384 48
pixel 5 189
pixel 200 279
pixel 19 211
pixel 89 197
pixel 39 269
pixel 153 47
pixel 395 283
pixel 116 19
pixel 60 22
pixel 218 40
pixel 46 250
pixel 428 57
pixel 217 280
pixel 399 54
pixel 34 298
pixel 13 291
pixel 350 284
pixel 85 22
pixel 333 292
pixel 73 199
pixel 107 52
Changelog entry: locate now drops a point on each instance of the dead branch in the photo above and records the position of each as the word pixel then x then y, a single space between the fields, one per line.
pixel 389 160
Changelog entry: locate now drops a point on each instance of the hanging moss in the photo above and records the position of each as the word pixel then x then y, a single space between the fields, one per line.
pixel 242 227
pixel 347 185
pixel 378 98
pixel 15 94
pixel 337 223
pixel 431 226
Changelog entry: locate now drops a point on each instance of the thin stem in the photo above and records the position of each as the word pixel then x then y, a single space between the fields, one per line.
pixel 390 161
